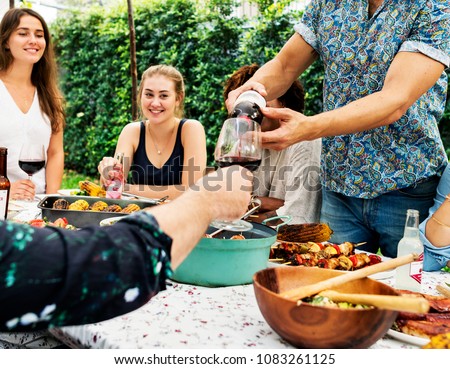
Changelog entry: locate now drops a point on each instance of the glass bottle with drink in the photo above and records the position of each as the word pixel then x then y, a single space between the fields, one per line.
pixel 409 276
pixel 114 187
pixel 5 185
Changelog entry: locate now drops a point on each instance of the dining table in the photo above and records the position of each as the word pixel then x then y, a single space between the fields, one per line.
pixel 199 317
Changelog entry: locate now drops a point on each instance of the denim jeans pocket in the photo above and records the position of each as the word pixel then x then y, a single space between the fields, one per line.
pixel 423 189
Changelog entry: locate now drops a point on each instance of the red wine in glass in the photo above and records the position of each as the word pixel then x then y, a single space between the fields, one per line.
pixel 31 166
pixel 247 162
pixel 32 158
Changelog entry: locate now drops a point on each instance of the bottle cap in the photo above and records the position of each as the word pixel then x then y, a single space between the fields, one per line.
pixel 253 97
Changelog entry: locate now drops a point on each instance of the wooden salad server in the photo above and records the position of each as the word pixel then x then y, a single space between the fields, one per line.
pixel 411 304
pixel 312 289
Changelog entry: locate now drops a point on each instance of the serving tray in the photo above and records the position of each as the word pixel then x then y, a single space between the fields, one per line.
pixel 83 218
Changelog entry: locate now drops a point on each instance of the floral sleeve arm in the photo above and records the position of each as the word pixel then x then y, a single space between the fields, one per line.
pixel 56 277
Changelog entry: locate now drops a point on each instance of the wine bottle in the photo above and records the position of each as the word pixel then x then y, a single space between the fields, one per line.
pixel 409 276
pixel 115 188
pixel 5 185
pixel 248 105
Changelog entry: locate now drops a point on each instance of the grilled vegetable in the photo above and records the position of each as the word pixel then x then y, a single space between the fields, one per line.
pixel 92 189
pixel 79 205
pixel 440 341
pixel 98 206
pixel 131 208
pixel 315 232
pixel 61 204
pixel 113 208
pixel 237 237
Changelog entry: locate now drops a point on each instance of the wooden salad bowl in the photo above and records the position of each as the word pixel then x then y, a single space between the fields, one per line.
pixel 317 327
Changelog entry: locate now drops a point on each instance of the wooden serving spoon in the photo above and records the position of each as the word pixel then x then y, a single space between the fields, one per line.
pixel 443 290
pixel 312 289
pixel 410 304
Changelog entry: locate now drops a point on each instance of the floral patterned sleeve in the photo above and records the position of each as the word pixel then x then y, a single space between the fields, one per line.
pixel 56 277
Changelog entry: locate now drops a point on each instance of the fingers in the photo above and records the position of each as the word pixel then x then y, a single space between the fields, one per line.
pixel 23 190
pixel 105 168
pixel 278 113
pixel 292 128
pixel 250 85
pixel 228 191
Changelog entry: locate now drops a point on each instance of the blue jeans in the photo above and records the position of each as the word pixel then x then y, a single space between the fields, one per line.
pixel 380 221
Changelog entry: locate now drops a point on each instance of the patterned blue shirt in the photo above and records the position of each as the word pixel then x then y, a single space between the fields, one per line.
pixel 356 52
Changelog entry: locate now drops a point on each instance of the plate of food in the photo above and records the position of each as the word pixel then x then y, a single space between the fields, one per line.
pixel 69 192
pixel 407 338
pixel 418 329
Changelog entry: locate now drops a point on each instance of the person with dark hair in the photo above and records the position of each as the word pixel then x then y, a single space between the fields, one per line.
pixel 287 182
pixel 384 92
pixel 31 103
pixel 57 277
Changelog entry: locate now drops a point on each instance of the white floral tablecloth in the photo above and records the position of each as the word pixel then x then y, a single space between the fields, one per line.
pixel 186 316
pixel 183 316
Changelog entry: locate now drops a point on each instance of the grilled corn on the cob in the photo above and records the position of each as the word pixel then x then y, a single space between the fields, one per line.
pixel 79 205
pixel 113 208
pixel 131 208
pixel 314 232
pixel 92 189
pixel 98 206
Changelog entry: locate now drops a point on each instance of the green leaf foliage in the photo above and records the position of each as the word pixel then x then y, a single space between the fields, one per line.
pixel 206 43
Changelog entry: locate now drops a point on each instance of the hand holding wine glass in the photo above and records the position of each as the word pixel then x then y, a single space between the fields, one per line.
pixel 32 158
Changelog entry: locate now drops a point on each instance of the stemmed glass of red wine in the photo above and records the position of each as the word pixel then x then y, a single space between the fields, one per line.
pixel 32 158
pixel 239 143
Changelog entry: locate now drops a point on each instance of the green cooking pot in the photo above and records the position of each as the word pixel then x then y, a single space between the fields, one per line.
pixel 220 261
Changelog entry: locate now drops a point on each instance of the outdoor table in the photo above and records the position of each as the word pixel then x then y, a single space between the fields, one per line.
pixel 187 316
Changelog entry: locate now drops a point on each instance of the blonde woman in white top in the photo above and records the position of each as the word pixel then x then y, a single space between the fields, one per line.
pixel 31 104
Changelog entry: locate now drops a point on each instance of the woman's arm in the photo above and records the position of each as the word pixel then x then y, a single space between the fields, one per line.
pixel 437 229
pixel 55 163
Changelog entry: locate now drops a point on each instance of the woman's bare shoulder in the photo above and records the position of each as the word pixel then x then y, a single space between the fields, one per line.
pixel 192 125
pixel 131 128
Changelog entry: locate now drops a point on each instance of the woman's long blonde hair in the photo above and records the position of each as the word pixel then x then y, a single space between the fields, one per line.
pixel 171 73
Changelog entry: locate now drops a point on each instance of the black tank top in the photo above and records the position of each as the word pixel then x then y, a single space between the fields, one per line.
pixel 144 172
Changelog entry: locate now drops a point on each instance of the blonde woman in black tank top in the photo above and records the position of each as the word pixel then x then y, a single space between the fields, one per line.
pixel 164 152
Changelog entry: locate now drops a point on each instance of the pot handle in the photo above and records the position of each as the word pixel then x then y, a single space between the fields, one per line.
pixel 287 217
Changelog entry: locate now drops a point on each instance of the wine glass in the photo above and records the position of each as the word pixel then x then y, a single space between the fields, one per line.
pixel 32 158
pixel 239 143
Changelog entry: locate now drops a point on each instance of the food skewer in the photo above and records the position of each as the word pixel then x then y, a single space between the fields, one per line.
pixel 389 302
pixel 312 289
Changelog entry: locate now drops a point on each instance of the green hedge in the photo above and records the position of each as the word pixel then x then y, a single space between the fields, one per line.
pixel 205 44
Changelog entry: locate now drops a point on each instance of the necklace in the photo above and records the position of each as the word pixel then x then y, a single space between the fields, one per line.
pixel 158 151
pixel 23 97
